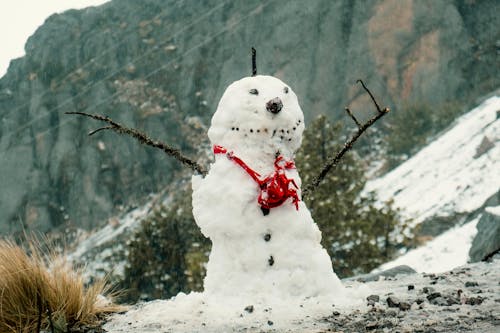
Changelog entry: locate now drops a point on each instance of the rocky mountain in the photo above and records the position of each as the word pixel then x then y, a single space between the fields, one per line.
pixel 161 65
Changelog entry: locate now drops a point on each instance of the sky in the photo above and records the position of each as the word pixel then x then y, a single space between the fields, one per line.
pixel 19 19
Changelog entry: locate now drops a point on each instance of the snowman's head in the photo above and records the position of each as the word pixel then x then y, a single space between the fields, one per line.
pixel 258 112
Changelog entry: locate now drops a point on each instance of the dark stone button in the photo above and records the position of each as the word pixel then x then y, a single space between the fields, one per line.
pixel 267 237
pixel 271 261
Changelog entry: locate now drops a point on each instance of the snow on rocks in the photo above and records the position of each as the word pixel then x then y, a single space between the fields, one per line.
pixel 465 299
pixel 456 173
pixel 445 252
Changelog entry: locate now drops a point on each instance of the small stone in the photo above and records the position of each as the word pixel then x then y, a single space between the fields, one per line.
pixel 371 325
pixel 373 298
pixel 440 301
pixel 249 309
pixel 267 237
pixel 433 296
pixel 411 287
pixel 270 323
pixel 393 302
pixel 419 301
pixel 391 313
pixel 469 284
pixel 474 300
pixel 451 300
pixel 404 306
pixel 428 290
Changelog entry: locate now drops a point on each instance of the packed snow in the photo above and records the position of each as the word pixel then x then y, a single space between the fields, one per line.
pixel 455 173
pixel 278 253
pixel 443 253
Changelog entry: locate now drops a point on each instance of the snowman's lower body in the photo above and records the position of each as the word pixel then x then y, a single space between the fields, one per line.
pixel 236 268
pixel 282 258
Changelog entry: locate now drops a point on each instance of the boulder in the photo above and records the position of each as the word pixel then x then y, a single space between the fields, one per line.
pixel 487 240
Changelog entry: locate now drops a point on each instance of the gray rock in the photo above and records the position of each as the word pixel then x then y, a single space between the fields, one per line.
pixel 373 298
pixel 487 240
pixel 393 302
pixel 391 272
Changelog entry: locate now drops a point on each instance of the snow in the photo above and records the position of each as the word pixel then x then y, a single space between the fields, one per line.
pixel 109 232
pixel 493 210
pixel 187 313
pixel 277 254
pixel 196 312
pixel 443 253
pixel 450 175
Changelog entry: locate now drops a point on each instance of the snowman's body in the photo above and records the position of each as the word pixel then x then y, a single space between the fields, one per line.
pixel 258 253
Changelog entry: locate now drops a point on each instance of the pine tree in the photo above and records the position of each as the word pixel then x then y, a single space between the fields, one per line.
pixel 356 234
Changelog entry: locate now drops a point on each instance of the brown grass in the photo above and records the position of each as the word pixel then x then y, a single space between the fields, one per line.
pixel 38 292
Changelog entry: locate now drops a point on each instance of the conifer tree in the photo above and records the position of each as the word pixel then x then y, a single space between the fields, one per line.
pixel 357 235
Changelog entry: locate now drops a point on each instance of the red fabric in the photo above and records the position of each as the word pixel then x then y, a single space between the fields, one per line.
pixel 276 188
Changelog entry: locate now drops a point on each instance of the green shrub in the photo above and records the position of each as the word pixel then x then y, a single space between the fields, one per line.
pixel 358 236
pixel 167 254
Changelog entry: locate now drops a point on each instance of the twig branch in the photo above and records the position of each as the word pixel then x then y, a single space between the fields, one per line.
pixel 254 62
pixel 333 161
pixel 349 112
pixel 100 129
pixel 143 138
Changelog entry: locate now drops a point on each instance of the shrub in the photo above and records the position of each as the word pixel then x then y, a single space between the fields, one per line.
pixel 357 235
pixel 42 293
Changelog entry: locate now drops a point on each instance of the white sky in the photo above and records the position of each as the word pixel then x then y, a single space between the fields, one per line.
pixel 20 18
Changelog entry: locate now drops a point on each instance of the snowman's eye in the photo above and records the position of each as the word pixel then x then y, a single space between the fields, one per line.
pixel 254 91
pixel 286 90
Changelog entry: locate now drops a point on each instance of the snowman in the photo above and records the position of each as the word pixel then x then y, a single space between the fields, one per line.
pixel 264 240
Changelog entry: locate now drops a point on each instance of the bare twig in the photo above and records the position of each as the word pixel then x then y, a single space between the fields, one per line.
pixel 143 138
pixel 254 62
pixel 349 112
pixel 100 129
pixel 333 161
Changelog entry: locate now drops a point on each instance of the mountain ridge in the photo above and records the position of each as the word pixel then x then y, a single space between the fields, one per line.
pixel 143 65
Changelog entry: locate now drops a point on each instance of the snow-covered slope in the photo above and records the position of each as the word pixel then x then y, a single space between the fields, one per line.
pixel 445 252
pixel 455 173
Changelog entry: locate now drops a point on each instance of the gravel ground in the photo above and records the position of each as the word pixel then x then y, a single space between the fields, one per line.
pixel 466 299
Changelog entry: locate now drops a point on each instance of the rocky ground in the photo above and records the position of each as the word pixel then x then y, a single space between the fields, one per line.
pixel 466 299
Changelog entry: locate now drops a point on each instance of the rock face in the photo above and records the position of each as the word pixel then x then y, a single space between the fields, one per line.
pixel 487 240
pixel 153 64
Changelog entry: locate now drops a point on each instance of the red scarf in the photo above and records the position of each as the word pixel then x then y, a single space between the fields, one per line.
pixel 276 188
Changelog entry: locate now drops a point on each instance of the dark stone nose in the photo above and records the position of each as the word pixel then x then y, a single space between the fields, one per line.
pixel 275 105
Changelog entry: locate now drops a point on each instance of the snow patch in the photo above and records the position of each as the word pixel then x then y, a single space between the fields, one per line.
pixel 455 173
pixel 493 210
pixel 445 252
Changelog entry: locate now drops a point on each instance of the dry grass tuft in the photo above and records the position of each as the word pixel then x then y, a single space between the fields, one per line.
pixel 45 293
